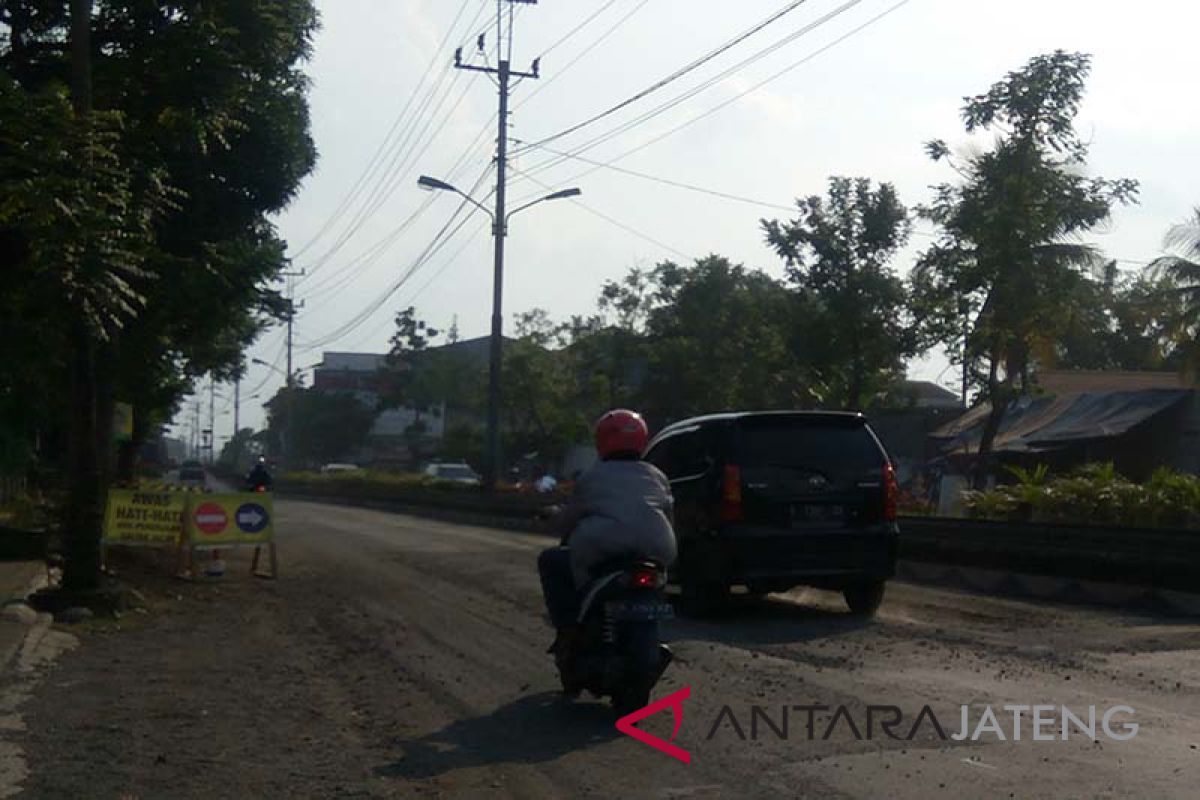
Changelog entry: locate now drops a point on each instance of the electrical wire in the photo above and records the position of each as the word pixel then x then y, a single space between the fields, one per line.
pixel 668 182
pixel 362 263
pixel 612 220
pixel 587 21
pixel 376 158
pixel 677 74
pixel 545 83
pixel 451 261
pixel 695 90
pixel 405 152
pixel 439 240
pixel 774 76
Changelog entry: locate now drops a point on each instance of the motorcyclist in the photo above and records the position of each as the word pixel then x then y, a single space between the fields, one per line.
pixel 621 506
pixel 258 475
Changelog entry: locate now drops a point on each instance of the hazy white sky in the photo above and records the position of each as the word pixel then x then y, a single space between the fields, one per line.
pixel 864 107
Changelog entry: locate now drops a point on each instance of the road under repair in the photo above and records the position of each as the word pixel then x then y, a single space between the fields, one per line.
pixel 402 657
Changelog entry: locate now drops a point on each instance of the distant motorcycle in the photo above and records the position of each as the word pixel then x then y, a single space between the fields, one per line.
pixel 258 482
pixel 618 653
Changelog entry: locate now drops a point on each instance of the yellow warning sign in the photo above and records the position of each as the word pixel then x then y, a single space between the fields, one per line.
pixel 141 517
pixel 225 519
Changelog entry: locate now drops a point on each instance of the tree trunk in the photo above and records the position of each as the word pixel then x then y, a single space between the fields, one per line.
pixel 855 390
pixel 81 571
pixel 992 426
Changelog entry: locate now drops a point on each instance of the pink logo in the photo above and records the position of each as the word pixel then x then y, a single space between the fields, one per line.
pixel 675 701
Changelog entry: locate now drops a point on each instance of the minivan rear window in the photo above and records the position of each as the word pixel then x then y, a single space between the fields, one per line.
pixel 837 451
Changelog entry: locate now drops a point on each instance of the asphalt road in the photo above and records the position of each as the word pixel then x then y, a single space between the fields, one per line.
pixel 400 657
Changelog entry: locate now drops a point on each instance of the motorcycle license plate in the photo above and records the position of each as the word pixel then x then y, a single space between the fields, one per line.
pixel 641 612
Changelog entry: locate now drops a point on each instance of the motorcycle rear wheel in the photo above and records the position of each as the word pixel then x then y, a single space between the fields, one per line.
pixel 628 699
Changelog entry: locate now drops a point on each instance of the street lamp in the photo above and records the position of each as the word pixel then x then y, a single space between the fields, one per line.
pixel 499 231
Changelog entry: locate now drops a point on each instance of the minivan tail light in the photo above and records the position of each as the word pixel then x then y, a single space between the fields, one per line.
pixel 731 494
pixel 891 493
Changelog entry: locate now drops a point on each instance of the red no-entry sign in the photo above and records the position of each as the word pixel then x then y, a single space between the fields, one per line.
pixel 210 518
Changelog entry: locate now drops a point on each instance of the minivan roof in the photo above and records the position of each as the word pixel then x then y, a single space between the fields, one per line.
pixel 828 416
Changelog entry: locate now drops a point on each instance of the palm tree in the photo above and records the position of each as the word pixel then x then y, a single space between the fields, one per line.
pixel 1182 270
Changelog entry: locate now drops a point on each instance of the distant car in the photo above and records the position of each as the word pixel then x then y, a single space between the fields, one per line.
pixel 191 473
pixel 458 472
pixel 774 500
pixel 335 467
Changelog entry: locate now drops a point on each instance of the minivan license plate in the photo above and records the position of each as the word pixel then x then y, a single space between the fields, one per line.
pixel 805 514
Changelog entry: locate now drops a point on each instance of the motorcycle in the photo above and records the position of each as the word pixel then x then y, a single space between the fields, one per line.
pixel 617 652
pixel 257 485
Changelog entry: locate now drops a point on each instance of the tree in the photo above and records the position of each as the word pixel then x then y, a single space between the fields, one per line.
pixel 1121 322
pixel 1180 275
pixel 324 427
pixel 538 381
pixel 838 253
pixel 718 339
pixel 1008 250
pixel 160 199
pixel 240 446
pixel 407 383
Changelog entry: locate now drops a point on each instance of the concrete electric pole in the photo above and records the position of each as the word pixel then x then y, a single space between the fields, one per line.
pixel 504 73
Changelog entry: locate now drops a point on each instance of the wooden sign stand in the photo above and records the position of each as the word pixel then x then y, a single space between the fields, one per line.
pixel 274 573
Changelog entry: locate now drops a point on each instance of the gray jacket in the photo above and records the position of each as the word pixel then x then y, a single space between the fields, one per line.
pixel 619 507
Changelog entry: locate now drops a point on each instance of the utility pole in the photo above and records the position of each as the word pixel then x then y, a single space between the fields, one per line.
pixel 212 418
pixel 289 403
pixel 237 403
pixel 504 73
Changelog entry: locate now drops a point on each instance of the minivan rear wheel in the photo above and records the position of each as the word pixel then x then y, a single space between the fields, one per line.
pixel 865 598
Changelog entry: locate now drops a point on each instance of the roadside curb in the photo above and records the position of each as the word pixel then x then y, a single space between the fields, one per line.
pixel 1045 587
pixel 973 579
pixel 32 624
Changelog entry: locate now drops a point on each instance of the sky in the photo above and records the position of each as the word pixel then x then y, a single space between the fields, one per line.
pixel 873 81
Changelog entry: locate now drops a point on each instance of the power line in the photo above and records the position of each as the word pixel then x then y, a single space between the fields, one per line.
pixel 587 21
pixel 731 100
pixel 692 92
pixel 579 56
pixel 439 241
pixel 403 155
pixel 611 220
pixel 677 74
pixel 669 182
pixel 394 172
pixel 373 163
pixel 361 264
pixel 451 261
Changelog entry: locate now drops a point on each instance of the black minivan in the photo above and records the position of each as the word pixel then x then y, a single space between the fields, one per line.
pixel 772 500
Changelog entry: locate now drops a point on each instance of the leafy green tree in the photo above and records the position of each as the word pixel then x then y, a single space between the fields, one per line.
pixel 1007 252
pixel 1121 322
pixel 718 340
pixel 838 253
pixel 238 450
pixel 1180 275
pixel 538 387
pixel 189 127
pixel 324 426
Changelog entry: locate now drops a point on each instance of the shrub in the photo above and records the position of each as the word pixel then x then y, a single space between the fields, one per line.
pixel 1095 494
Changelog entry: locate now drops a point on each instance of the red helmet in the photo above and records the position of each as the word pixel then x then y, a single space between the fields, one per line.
pixel 621 431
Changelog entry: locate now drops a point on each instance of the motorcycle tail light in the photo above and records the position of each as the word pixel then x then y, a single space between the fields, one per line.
pixel 644 579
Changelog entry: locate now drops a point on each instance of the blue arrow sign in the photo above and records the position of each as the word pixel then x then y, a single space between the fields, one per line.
pixel 252 518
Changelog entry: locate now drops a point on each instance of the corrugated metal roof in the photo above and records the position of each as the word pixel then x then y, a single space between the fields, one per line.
pixel 1084 380
pixel 1043 423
